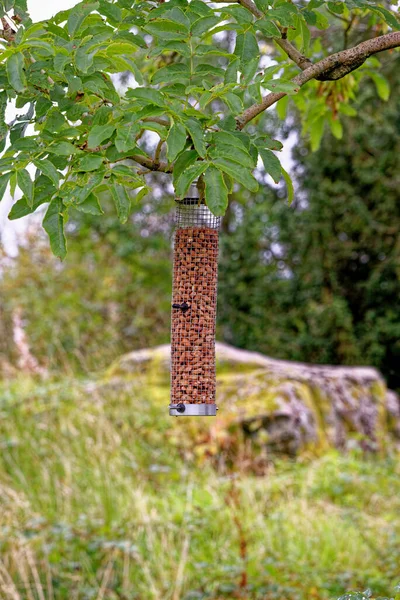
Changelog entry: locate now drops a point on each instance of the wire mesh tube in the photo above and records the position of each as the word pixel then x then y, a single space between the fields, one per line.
pixel 194 305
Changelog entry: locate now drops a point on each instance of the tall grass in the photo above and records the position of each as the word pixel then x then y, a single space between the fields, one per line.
pixel 98 501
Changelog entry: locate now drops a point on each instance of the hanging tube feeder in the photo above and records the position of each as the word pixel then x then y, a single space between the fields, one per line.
pixel 194 306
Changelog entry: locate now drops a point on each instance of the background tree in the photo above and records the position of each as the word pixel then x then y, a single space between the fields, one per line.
pixel 327 270
pixel 317 282
pixel 201 99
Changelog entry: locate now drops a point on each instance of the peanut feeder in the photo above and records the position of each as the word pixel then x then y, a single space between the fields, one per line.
pixel 194 305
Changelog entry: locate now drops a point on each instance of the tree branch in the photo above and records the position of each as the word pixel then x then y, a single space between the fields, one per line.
pixel 249 4
pixel 147 162
pixel 331 68
pixel 301 61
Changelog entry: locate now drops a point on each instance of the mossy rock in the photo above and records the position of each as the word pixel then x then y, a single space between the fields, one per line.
pixel 279 406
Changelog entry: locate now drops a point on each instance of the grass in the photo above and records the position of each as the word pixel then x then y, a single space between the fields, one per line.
pixel 98 500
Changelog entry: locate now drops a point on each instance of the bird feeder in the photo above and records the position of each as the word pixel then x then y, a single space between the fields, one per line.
pixel 194 306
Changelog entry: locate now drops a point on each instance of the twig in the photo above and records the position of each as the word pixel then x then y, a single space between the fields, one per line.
pixel 157 153
pixel 156 120
pixel 347 31
pixel 148 162
pixel 233 500
pixel 337 16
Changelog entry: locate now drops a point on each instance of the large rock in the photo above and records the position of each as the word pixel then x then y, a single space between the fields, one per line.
pixel 285 406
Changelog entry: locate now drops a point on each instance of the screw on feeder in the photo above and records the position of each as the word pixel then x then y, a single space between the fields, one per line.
pixel 184 306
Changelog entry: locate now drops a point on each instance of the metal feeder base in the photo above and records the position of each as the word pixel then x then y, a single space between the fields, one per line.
pixel 193 410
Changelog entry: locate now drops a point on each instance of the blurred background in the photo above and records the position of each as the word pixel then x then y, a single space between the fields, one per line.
pixel 293 491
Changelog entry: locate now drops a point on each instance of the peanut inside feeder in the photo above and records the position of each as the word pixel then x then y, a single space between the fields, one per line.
pixel 194 305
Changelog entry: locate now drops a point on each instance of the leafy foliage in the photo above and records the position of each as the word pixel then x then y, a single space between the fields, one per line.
pixel 190 87
pixel 319 282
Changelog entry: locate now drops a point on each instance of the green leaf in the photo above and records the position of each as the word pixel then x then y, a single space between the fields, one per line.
pixel 246 47
pixel 226 146
pixel 183 161
pixel 125 48
pixel 78 14
pixel 171 46
pixel 47 49
pixel 241 175
pixel 143 192
pixel 43 192
pixel 111 11
pixel 305 35
pixel 148 95
pixel 316 132
pixel 42 106
pixel 54 121
pixel 176 141
pixel 84 59
pixel 280 85
pixel 122 202
pixel 126 137
pixel 271 163
pixel 232 70
pixel 15 72
pixel 389 17
pixel 98 134
pixel 285 14
pixel 268 28
pixel 289 185
pixel 4 179
pixel 322 21
pixel 233 102
pixel 125 171
pixel 230 139
pixel 336 128
pixel 53 224
pixel 281 107
pixel 63 149
pixel 200 8
pixel 196 132
pixel 188 176
pixel 216 191
pixel 175 14
pixel 264 141
pixel 204 24
pixel 90 206
pixel 167 29
pixel 126 63
pixel 178 72
pixel 348 110
pixel 25 184
pixel 336 7
pixel 241 14
pixel 48 169
pixel 91 181
pixel 90 163
pixel 21 208
pixel 263 5
pixel 381 84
